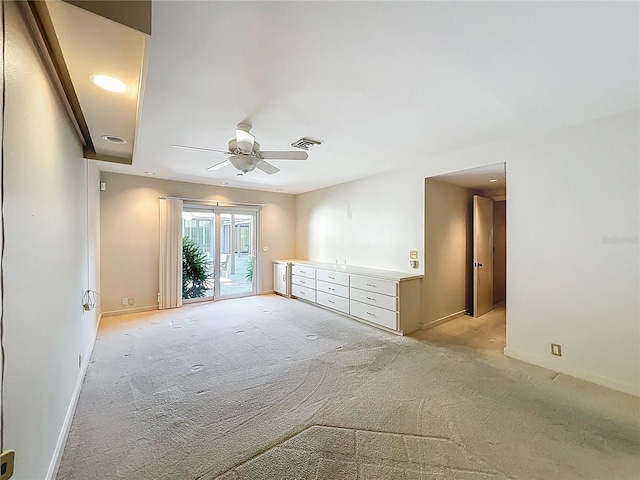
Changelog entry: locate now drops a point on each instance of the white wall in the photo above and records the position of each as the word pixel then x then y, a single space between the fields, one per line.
pixel 49 259
pixel 569 192
pixel 130 233
pixel 448 230
pixel 374 222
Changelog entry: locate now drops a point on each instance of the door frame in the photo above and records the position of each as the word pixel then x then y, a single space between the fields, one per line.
pixel 254 253
pixel 217 212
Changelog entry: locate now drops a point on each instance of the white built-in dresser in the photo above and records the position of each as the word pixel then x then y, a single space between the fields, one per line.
pixel 386 299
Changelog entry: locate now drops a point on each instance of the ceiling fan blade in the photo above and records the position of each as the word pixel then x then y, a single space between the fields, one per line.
pixel 288 155
pixel 188 147
pixel 267 167
pixel 244 139
pixel 219 165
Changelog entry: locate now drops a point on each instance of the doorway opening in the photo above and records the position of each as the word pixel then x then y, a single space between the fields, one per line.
pixel 224 240
pixel 465 258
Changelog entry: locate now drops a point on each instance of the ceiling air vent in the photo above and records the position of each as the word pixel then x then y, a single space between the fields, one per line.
pixel 305 143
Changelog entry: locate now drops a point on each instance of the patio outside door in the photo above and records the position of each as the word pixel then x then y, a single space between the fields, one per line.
pixel 226 239
pixel 237 253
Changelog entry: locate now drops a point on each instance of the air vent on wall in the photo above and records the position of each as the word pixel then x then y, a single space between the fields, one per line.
pixel 305 143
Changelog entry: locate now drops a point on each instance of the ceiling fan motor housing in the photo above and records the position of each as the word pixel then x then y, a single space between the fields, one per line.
pixel 233 148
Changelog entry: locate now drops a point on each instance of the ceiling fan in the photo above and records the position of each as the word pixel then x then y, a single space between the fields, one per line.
pixel 245 154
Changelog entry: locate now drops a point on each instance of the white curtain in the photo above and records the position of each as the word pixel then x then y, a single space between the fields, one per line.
pixel 170 253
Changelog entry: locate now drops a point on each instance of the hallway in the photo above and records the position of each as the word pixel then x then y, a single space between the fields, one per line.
pixel 486 333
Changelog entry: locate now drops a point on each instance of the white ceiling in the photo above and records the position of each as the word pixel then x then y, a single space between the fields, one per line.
pixel 381 84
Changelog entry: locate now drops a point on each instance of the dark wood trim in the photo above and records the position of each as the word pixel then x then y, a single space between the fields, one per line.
pixel 44 33
pixel 46 36
pixel 92 155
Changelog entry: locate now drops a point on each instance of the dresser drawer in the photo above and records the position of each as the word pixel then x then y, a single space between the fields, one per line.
pixel 303 281
pixel 374 285
pixel 333 289
pixel 304 271
pixel 303 292
pixel 332 301
pixel 340 278
pixel 372 314
pixel 383 301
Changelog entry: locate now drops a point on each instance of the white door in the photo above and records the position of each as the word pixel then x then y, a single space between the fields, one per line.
pixel 482 255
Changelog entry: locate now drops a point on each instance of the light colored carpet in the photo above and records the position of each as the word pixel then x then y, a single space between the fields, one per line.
pixel 271 388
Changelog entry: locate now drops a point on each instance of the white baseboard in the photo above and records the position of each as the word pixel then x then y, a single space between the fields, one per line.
pixel 573 371
pixel 71 410
pixel 113 313
pixel 440 321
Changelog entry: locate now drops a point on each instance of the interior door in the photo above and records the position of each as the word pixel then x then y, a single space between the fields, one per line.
pixel 482 255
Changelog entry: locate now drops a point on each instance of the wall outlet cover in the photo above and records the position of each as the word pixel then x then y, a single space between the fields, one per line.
pixel 131 301
pixel 265 248
pixel 556 349
pixel 7 459
pixel 125 301
pixel 413 254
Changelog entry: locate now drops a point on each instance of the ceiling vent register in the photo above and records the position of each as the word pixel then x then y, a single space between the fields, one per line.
pixel 305 143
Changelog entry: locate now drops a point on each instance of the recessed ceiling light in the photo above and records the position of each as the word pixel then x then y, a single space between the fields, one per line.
pixel 109 83
pixel 224 183
pixel 150 173
pixel 113 139
pixel 493 180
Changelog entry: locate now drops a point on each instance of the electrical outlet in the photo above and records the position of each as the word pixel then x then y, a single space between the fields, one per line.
pixel 265 248
pixel 131 300
pixel 556 349
pixel 7 459
pixel 413 254
pixel 125 301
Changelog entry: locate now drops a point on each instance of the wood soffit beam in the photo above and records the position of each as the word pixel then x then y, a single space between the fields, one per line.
pixel 42 28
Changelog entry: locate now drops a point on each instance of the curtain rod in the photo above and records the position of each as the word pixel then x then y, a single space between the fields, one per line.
pixel 216 202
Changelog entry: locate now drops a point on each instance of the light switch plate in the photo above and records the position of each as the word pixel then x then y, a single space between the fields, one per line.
pixel 7 460
pixel 413 254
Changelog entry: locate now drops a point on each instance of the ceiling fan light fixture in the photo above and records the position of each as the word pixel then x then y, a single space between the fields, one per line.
pixel 243 163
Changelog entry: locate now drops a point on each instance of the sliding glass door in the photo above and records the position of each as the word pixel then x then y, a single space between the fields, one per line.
pixel 219 252
pixel 198 253
pixel 237 254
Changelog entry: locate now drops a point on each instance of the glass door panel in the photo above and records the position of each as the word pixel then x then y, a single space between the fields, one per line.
pixel 237 254
pixel 198 253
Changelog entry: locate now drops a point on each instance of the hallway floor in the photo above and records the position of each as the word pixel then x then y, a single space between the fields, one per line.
pixel 486 333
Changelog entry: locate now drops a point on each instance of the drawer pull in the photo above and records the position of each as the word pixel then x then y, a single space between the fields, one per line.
pixel 372 285
pixel 332 278
pixel 372 314
pixel 372 299
pixel 331 301
pixel 303 271
pixel 302 293
pixel 332 289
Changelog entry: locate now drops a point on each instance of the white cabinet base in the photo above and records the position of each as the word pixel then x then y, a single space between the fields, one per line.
pixel 384 299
